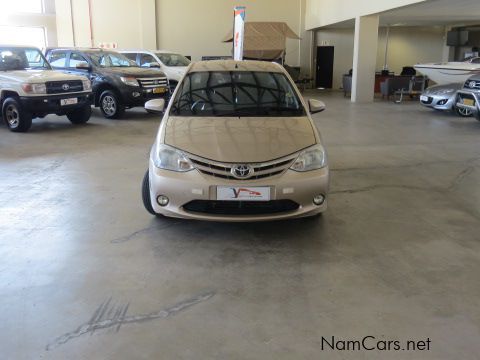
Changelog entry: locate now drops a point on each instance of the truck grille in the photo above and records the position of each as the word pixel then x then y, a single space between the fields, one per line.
pixel 241 207
pixel 472 84
pixel 153 82
pixel 61 87
pixel 258 170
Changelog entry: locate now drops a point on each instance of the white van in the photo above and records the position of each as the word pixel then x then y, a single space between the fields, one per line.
pixel 172 64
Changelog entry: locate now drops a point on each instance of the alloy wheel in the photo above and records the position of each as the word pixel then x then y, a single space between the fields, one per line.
pixel 12 115
pixel 109 105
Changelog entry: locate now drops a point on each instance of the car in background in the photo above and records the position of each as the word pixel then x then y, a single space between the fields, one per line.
pixel 172 64
pixel 468 97
pixel 29 88
pixel 442 97
pixel 237 143
pixel 117 82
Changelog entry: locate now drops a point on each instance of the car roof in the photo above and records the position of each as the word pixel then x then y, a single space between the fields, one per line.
pixel 148 51
pixel 18 46
pixel 232 65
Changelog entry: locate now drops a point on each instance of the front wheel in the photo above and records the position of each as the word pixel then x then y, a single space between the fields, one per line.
pixel 80 116
pixel 110 105
pixel 463 112
pixel 16 118
pixel 147 201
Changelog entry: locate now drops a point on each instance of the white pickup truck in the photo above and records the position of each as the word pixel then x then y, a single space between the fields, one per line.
pixel 29 88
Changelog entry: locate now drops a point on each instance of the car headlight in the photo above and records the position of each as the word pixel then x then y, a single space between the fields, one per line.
pixel 313 158
pixel 87 85
pixel 129 80
pixel 34 88
pixel 168 158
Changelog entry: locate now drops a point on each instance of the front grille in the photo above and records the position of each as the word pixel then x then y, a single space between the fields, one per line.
pixel 216 207
pixel 472 84
pixel 428 101
pixel 153 82
pixel 224 170
pixel 61 87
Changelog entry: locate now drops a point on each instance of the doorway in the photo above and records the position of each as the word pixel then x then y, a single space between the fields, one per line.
pixel 325 56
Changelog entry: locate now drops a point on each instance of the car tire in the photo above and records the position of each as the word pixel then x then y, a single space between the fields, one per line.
pixel 110 105
pixel 16 118
pixel 80 116
pixel 147 201
pixel 463 112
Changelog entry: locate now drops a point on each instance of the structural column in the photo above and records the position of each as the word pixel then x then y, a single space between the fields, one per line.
pixel 364 58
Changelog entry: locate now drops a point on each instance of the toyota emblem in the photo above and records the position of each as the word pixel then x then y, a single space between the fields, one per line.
pixel 65 87
pixel 241 171
pixel 472 84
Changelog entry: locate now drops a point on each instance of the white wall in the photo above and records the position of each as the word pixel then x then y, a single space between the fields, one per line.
pixel 407 46
pixel 326 12
pixel 196 28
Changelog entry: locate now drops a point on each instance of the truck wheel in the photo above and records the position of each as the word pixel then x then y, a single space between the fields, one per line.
pixel 147 202
pixel 16 118
pixel 80 116
pixel 110 105
pixel 463 112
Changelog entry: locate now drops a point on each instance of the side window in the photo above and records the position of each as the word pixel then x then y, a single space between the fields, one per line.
pixel 57 59
pixel 131 56
pixel 76 59
pixel 146 59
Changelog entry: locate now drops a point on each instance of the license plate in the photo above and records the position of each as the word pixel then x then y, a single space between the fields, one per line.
pixel 243 193
pixel 71 101
pixel 159 90
pixel 423 98
pixel 469 102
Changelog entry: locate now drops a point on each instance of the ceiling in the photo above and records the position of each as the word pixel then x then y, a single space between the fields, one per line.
pixel 428 13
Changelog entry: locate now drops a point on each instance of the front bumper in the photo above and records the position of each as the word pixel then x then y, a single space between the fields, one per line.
pixel 50 104
pixel 137 96
pixel 183 188
pixel 439 102
pixel 467 99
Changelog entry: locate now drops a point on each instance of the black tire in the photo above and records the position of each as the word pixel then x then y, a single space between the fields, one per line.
pixel 110 105
pixel 477 116
pixel 147 202
pixel 463 112
pixel 16 118
pixel 80 116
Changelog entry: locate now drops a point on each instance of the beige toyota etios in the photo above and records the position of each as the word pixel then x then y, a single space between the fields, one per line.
pixel 236 143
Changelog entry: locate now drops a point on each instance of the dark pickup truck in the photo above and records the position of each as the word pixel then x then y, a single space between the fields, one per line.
pixel 117 82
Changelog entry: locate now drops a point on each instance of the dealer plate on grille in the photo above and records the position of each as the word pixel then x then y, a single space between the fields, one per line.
pixel 423 98
pixel 243 193
pixel 159 90
pixel 468 102
pixel 71 101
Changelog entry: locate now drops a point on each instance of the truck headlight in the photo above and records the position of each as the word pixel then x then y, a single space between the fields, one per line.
pixel 34 88
pixel 129 80
pixel 168 158
pixel 87 85
pixel 313 158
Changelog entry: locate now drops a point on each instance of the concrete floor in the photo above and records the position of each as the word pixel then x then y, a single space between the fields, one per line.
pixel 87 273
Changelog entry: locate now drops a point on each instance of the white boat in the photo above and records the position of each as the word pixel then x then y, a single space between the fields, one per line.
pixel 450 72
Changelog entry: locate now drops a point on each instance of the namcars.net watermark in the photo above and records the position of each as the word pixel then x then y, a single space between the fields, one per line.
pixel 372 343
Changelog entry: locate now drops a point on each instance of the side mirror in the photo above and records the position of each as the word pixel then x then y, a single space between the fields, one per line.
pixel 316 106
pixel 82 66
pixel 155 106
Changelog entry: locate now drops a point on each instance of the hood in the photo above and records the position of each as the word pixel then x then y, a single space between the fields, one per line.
pixel 38 76
pixel 243 140
pixel 133 71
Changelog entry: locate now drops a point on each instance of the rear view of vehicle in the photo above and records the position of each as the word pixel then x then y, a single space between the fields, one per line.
pixel 237 143
pixel 29 88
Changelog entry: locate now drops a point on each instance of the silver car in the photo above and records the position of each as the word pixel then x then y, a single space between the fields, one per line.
pixel 468 98
pixel 442 97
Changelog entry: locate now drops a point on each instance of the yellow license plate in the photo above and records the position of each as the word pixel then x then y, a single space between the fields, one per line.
pixel 159 90
pixel 469 102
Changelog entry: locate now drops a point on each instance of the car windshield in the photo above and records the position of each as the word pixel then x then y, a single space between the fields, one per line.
pixel 173 59
pixel 236 93
pixel 110 59
pixel 22 59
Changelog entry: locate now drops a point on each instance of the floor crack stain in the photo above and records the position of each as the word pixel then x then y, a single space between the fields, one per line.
pixel 142 231
pixel 107 316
